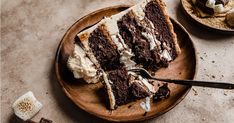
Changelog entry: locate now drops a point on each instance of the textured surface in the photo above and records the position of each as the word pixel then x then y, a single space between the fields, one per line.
pixel 31 31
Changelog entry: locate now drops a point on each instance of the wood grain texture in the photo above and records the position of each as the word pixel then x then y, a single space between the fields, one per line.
pixel 90 97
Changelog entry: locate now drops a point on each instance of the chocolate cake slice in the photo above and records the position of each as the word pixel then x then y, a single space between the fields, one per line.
pixel 141 36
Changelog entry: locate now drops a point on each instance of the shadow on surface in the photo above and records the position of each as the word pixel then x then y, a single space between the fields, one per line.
pixel 14 119
pixel 199 30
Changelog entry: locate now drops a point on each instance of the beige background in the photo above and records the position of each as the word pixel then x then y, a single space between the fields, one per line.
pixel 32 29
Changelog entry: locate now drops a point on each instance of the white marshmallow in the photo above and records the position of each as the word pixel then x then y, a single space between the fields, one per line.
pixel 26 106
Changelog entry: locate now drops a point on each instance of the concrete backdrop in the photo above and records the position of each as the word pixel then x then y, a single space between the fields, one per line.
pixel 32 29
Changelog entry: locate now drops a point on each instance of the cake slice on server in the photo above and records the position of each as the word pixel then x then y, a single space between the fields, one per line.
pixel 141 36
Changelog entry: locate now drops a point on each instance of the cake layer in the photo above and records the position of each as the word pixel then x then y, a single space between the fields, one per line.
pixel 124 87
pixel 105 52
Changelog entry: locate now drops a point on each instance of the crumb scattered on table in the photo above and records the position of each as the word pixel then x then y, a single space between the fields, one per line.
pixel 203 119
pixel 195 92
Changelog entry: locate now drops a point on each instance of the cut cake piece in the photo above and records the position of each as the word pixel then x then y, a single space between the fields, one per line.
pixel 141 36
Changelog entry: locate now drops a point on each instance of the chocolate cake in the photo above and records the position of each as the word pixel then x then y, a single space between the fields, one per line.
pixel 141 36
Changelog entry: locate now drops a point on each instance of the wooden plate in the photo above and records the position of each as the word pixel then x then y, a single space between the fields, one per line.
pixel 214 23
pixel 89 97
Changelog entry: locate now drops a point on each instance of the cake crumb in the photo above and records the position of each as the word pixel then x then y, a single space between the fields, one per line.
pixel 213 76
pixel 195 92
pixel 201 58
pixel 203 119
pixel 225 93
pixel 213 61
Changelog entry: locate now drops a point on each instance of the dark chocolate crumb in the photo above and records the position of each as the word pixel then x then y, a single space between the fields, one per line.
pixel 213 61
pixel 203 119
pixel 46 92
pixel 222 75
pixel 195 92
pixel 213 76
pixel 129 106
pixel 162 93
pixel 201 58
pixel 179 73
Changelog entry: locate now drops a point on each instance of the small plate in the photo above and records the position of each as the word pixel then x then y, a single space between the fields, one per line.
pixel 89 96
pixel 215 23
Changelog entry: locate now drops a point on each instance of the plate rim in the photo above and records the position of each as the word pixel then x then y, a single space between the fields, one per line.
pixel 61 82
pixel 203 24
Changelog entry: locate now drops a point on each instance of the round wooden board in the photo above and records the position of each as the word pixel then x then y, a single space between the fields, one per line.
pixel 89 96
pixel 217 24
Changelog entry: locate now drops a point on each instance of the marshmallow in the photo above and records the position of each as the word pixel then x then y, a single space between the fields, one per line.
pixel 26 106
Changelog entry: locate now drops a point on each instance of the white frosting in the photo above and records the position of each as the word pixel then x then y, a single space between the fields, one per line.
pixel 81 66
pixel 150 38
pixel 109 91
pixel 165 54
pixel 144 81
pixel 119 45
pixel 111 26
pixel 217 8
pixel 146 105
pixel 26 106
pixel 147 84
pixel 126 58
pixel 138 9
pixel 230 17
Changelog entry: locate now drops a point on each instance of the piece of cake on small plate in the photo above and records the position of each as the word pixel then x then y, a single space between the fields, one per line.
pixel 141 36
